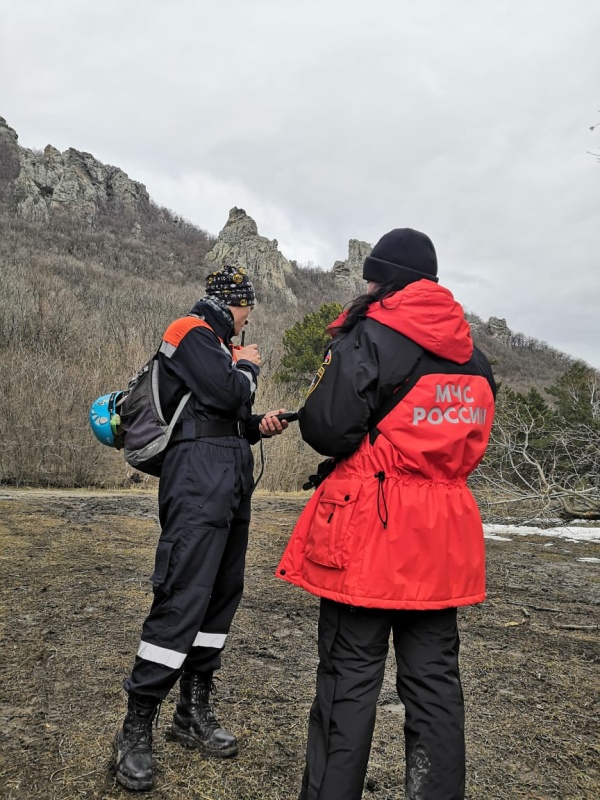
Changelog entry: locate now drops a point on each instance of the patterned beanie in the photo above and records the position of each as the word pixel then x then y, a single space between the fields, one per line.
pixel 232 286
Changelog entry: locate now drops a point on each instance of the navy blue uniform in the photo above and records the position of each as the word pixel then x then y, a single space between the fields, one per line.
pixel 204 506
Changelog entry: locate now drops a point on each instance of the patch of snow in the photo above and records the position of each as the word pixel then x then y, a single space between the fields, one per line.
pixel 570 533
pixel 589 560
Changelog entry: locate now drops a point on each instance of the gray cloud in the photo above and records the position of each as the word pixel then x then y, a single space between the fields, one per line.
pixel 330 120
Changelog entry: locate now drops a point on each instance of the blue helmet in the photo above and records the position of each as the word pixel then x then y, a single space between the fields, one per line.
pixel 104 417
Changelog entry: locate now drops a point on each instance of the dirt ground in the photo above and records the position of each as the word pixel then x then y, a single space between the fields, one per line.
pixel 73 593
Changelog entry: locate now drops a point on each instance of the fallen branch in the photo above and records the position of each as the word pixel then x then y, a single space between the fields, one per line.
pixel 577 627
pixel 535 608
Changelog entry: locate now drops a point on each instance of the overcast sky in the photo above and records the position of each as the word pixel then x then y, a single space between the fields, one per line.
pixel 336 119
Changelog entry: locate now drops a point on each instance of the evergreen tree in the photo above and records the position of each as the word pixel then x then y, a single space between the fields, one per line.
pixel 304 345
pixel 577 395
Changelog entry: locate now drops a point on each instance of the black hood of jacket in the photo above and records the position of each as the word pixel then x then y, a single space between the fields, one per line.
pixel 220 321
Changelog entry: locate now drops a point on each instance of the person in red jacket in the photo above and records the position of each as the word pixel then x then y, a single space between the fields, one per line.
pixel 392 539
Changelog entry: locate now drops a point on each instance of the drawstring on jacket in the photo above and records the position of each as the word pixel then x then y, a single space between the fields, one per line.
pixel 381 496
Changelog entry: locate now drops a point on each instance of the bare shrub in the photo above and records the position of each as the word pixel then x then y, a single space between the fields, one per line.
pixel 539 464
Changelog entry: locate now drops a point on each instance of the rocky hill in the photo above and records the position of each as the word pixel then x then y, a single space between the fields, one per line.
pixel 41 186
pixel 240 243
pixel 74 183
pixel 91 273
pixel 72 204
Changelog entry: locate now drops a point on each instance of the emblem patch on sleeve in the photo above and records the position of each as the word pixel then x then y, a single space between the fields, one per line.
pixel 320 372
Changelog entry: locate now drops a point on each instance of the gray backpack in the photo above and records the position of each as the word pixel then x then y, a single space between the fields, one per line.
pixel 142 431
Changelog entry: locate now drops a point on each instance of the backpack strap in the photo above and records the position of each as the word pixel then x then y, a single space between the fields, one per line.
pixel 398 394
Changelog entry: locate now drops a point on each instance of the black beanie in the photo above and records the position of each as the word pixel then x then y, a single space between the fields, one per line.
pixel 402 256
pixel 231 285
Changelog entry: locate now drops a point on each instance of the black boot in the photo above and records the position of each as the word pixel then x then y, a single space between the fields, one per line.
pixel 194 722
pixel 133 744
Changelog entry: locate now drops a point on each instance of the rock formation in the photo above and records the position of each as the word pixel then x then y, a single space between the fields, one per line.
pixel 40 184
pixel 9 153
pixel 347 275
pixel 239 243
pixel 498 329
pixel 73 182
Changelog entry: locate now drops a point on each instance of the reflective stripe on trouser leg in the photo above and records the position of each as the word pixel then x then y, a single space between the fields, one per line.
pixel 178 611
pixel 160 655
pixel 175 659
pixel 216 640
pixel 205 655
pixel 204 511
pixel 353 644
pixel 428 683
pixel 167 636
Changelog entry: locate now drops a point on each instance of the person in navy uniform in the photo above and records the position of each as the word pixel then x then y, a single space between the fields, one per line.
pixel 204 497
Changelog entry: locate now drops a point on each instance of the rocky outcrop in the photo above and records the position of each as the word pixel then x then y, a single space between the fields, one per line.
pixel 498 329
pixel 239 243
pixel 347 275
pixel 72 182
pixel 9 153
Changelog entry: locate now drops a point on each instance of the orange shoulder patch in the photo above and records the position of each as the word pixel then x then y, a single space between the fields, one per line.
pixel 178 329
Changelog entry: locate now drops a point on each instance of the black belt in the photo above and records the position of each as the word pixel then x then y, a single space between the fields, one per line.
pixel 209 427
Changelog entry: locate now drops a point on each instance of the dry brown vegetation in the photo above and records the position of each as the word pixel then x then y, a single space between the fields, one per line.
pixel 82 308
pixel 73 594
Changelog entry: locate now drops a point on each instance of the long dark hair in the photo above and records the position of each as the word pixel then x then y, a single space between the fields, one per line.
pixel 357 309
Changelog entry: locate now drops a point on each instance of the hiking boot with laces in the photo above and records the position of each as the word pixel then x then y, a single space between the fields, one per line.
pixel 133 745
pixel 194 721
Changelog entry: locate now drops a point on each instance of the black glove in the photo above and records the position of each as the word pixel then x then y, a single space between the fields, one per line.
pixel 324 469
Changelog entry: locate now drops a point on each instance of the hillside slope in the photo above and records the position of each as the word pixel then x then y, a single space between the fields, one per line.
pixel 92 271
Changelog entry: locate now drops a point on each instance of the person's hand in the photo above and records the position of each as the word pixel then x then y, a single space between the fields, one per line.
pixel 249 353
pixel 270 425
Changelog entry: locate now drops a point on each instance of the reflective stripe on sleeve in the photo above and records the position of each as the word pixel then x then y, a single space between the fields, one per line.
pixel 210 640
pixel 161 655
pixel 167 348
pixel 250 379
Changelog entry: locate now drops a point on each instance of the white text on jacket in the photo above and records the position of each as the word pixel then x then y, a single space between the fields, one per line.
pixel 463 411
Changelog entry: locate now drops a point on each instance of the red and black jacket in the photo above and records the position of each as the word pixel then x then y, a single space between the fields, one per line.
pixel 395 525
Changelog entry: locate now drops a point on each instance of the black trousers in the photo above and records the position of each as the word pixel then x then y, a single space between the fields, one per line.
pixel 204 509
pixel 353 646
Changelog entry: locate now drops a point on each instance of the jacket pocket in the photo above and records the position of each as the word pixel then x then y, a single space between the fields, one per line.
pixel 161 563
pixel 330 535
